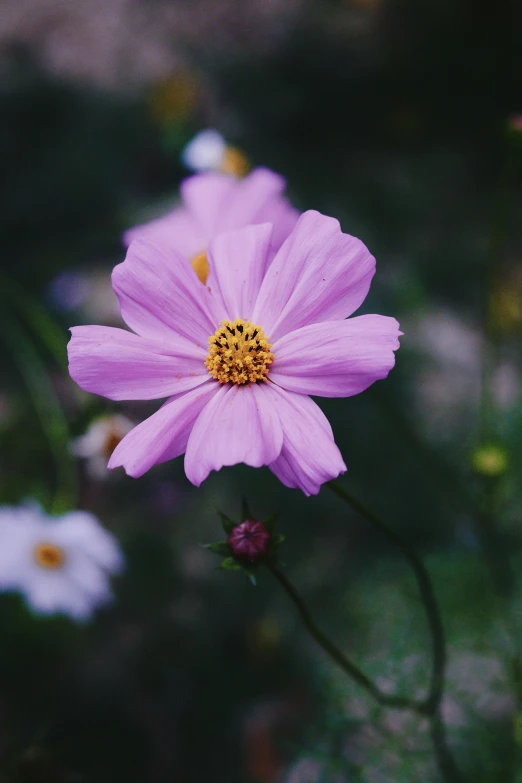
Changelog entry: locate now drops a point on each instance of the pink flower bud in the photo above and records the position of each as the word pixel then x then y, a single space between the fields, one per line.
pixel 249 542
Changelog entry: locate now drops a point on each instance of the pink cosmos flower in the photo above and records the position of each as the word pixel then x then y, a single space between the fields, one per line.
pixel 214 203
pixel 238 358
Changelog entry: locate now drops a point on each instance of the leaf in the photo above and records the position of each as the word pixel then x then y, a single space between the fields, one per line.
pixel 229 564
pixel 48 408
pixel 219 548
pixel 228 524
pixel 37 318
pixel 245 510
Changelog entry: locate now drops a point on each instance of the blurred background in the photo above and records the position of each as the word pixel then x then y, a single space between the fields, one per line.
pixel 390 115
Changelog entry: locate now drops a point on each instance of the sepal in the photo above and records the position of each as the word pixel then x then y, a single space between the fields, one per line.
pixel 227 523
pixel 229 564
pixel 218 548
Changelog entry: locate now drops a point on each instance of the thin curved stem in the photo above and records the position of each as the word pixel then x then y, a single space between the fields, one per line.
pixel 425 589
pixel 386 700
pixel 445 761
pixel 431 706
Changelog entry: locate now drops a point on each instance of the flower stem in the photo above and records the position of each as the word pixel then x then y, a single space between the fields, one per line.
pixel 490 342
pixel 431 706
pixel 489 495
pixel 36 318
pixel 425 589
pixel 349 668
pixel 49 410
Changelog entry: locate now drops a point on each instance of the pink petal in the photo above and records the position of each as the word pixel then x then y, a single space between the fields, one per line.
pixel 214 203
pixel 159 293
pixel 206 198
pixel 283 217
pixel 319 274
pixel 123 366
pixel 163 435
pixel 237 262
pixel 176 227
pixel 309 456
pixel 255 199
pixel 336 358
pixel 239 424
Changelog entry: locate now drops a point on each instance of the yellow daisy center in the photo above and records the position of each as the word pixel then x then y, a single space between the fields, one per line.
pixel 200 266
pixel 49 556
pixel 239 353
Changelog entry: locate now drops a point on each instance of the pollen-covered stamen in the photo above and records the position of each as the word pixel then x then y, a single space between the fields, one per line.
pixel 49 556
pixel 239 353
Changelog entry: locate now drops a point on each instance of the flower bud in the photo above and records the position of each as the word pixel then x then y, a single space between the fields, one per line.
pixel 249 542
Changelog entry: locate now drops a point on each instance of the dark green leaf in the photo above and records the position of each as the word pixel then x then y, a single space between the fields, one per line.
pixel 229 564
pixel 219 548
pixel 228 524
pixel 245 510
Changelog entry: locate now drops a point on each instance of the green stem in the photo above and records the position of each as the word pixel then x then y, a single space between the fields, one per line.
pixel 425 589
pixel 431 706
pixel 490 342
pixel 48 409
pixel 36 317
pixel 489 499
pixel 445 761
pixel 493 545
pixel 349 668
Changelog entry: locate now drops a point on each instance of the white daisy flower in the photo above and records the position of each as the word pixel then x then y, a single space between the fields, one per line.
pixel 60 564
pixel 208 151
pixel 100 440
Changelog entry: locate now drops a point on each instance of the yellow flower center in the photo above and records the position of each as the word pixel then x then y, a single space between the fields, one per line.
pixel 49 556
pixel 200 266
pixel 234 162
pixel 239 353
pixel 112 440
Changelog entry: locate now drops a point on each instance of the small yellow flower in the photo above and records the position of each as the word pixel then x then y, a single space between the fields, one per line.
pixel 490 460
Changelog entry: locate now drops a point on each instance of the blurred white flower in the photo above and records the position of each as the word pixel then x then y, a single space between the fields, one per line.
pixel 205 152
pixel 100 440
pixel 208 151
pixel 61 564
